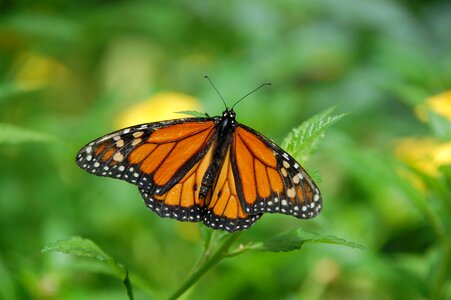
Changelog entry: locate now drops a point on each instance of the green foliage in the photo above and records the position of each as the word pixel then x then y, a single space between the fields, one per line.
pixel 68 72
pixel 78 246
pixel 10 134
pixel 295 239
pixel 86 248
pixel 303 140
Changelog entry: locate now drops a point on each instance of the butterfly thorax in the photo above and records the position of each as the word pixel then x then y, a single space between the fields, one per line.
pixel 225 128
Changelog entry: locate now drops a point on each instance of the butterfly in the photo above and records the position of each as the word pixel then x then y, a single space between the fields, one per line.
pixel 205 169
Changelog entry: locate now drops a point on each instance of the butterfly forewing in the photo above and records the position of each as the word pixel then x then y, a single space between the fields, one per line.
pixel 271 180
pixel 153 156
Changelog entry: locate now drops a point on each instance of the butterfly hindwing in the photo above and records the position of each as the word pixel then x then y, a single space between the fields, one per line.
pixel 182 201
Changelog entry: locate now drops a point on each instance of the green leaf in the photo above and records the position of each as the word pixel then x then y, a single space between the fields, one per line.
pixel 78 246
pixel 192 113
pixel 86 248
pixel 316 176
pixel 295 239
pixel 10 134
pixel 303 140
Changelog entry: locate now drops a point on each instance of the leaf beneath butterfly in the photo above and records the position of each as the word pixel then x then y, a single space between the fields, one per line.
pixel 303 140
pixel 192 113
pixel 10 134
pixel 295 239
pixel 86 248
pixel 78 246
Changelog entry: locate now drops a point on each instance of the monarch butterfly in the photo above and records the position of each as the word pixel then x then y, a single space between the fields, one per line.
pixel 212 170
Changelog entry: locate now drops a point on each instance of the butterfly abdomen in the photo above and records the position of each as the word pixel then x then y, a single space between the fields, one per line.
pixel 210 177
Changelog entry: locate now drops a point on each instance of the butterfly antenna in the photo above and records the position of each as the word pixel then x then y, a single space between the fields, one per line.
pixel 208 78
pixel 264 84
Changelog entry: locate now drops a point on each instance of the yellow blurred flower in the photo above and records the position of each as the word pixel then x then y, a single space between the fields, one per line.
pixel 161 106
pixel 425 154
pixel 36 71
pixel 439 104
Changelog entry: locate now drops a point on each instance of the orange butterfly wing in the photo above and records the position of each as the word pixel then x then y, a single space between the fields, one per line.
pixel 154 156
pixel 270 180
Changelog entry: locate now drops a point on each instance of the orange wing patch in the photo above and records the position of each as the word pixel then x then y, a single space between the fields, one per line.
pixel 224 200
pixel 179 155
pixel 245 163
pixel 107 155
pixel 259 150
pixel 137 155
pixel 275 180
pixel 178 132
pixel 263 185
pixel 256 164
pixel 156 157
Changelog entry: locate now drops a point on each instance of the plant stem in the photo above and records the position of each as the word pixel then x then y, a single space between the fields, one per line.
pixel 220 253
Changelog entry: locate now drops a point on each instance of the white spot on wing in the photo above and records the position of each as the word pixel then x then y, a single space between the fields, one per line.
pixel 136 142
pixel 118 156
pixel 138 134
pixel 120 143
pixel 284 172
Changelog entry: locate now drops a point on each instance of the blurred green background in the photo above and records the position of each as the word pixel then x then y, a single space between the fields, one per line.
pixel 71 71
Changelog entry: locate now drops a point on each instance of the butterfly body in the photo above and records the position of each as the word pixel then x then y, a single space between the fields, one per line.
pixel 225 129
pixel 212 169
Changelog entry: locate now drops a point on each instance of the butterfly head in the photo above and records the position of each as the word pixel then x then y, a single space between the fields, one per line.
pixel 229 115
